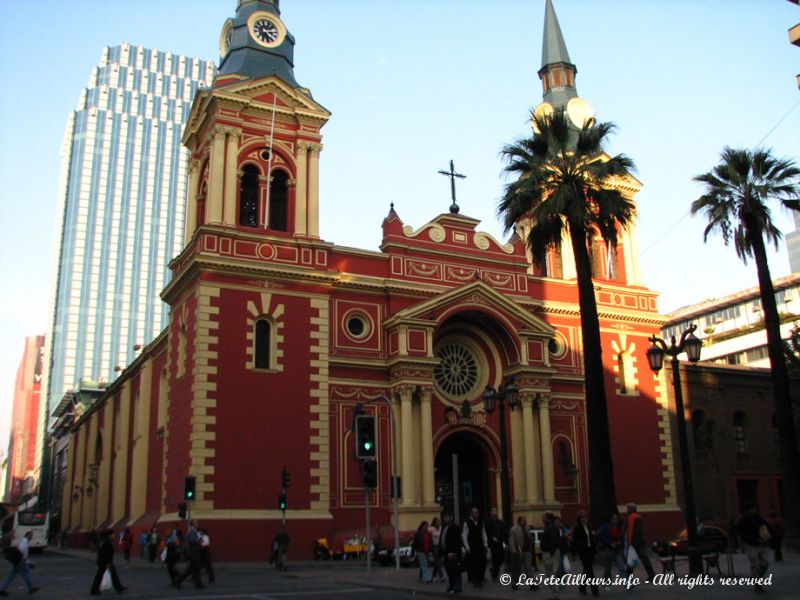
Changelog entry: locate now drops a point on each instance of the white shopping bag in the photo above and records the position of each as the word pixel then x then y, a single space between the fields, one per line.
pixel 105 583
pixel 631 558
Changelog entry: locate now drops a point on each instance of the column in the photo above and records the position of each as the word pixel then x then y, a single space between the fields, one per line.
pixel 216 177
pixel 141 443
pixel 120 476
pixel 301 191
pixel 191 204
pixel 426 443
pixel 533 491
pixel 313 190
pixel 407 444
pixel 231 175
pixel 547 448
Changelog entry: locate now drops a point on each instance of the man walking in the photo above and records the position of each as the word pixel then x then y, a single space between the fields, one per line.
pixel 496 534
pixel 193 554
pixel 551 549
pixel 754 537
pixel 475 541
pixel 634 535
pixel 521 548
pixel 452 551
pixel 105 560
pixel 18 557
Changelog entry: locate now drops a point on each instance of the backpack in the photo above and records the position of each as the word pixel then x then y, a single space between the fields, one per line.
pixel 13 555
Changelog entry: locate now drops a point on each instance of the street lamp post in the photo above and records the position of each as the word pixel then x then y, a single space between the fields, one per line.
pixel 492 398
pixel 690 344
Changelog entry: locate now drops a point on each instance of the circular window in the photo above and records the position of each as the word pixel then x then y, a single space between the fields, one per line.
pixel 457 372
pixel 357 326
pixel 265 154
pixel 557 346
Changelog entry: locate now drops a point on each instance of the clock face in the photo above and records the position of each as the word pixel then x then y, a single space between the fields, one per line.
pixel 265 31
pixel 225 38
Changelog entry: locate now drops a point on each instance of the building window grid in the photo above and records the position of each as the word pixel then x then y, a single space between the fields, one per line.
pixel 740 432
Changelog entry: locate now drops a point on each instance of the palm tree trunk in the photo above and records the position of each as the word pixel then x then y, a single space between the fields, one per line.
pixel 602 493
pixel 787 435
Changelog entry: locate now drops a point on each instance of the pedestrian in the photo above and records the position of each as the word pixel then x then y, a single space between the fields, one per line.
pixel 564 565
pixel 611 543
pixel 105 560
pixel 435 530
pixel 473 536
pixel 521 548
pixel 173 555
pixel 18 557
pixel 193 555
pixel 143 537
pixel 152 544
pixel 126 541
pixel 550 544
pixel 452 550
pixel 584 544
pixel 754 536
pixel 280 548
pixel 497 537
pixel 422 547
pixel 634 536
pixel 777 531
pixel 205 555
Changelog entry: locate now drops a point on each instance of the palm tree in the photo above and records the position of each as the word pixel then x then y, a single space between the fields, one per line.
pixel 735 203
pixel 562 183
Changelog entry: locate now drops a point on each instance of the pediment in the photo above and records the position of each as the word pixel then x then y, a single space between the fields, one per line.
pixel 472 296
pixel 262 92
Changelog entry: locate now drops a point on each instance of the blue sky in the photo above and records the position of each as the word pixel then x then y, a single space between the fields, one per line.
pixel 412 85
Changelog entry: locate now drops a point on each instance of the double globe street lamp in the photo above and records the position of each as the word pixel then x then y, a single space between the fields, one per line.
pixel 497 398
pixel 690 344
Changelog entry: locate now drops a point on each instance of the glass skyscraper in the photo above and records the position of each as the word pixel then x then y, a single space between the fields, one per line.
pixel 123 197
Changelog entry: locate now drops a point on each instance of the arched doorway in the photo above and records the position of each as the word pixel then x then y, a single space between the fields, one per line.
pixel 464 455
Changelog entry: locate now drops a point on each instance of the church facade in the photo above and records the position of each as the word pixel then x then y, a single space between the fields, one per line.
pixel 277 338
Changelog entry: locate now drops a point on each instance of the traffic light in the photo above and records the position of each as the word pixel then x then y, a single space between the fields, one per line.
pixel 365 436
pixel 282 502
pixel 370 469
pixel 286 478
pixel 182 510
pixel 188 487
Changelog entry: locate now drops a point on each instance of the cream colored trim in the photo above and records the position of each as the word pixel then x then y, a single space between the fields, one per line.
pixel 665 436
pixel 250 515
pixel 204 396
pixel 319 372
pixel 276 341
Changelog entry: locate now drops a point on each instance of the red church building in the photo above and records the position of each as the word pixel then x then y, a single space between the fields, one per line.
pixel 277 336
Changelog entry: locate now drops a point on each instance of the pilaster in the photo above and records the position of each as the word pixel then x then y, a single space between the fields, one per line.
pixel 313 190
pixel 426 441
pixel 231 177
pixel 191 200
pixel 301 191
pixel 216 177
pixel 533 491
pixel 548 475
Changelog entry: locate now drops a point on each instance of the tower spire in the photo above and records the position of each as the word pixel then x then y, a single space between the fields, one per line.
pixel 558 71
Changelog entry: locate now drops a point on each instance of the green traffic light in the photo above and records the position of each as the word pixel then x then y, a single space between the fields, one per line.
pixel 367 445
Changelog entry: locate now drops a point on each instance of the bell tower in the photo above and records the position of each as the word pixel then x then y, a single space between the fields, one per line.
pixel 254 136
pixel 619 265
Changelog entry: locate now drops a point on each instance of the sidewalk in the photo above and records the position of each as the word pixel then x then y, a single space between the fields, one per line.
pixel 785 579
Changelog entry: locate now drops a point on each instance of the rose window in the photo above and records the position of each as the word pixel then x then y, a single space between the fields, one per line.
pixel 457 372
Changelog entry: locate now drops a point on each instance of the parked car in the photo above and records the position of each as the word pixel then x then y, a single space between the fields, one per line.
pixel 710 539
pixel 408 557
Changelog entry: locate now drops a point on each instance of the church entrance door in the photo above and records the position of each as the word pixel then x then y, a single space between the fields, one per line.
pixel 462 478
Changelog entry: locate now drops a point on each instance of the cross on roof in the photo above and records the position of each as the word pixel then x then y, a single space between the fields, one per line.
pixel 452 175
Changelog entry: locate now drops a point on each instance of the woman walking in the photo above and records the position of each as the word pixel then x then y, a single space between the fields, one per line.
pixel 436 536
pixel 422 545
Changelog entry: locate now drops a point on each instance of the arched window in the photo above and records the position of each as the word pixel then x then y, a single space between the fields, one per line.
pixel 739 432
pixel 702 432
pixel 248 197
pixel 263 344
pixel 279 201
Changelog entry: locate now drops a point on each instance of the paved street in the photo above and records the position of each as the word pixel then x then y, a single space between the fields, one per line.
pixel 68 575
